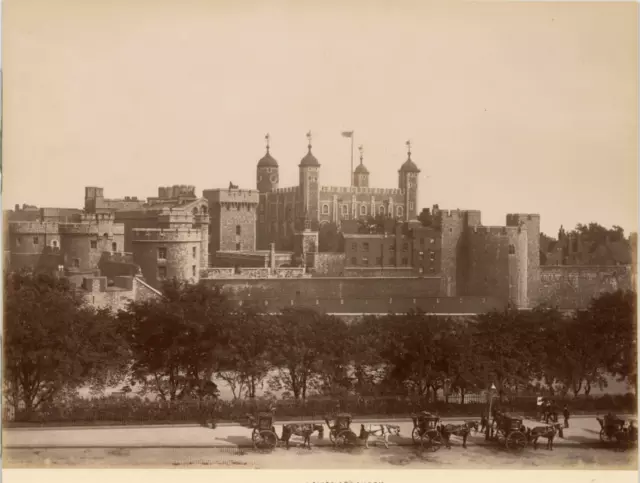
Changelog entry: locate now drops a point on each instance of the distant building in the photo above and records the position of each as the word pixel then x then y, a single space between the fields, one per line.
pixel 284 211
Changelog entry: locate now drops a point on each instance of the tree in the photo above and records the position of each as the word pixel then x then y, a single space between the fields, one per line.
pixel 53 341
pixel 330 239
pixel 310 350
pixel 247 354
pixel 176 341
pixel 413 351
pixel 503 344
pixel 612 317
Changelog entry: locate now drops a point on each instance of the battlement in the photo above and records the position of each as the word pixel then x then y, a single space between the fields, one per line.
pixel 292 189
pixel 355 189
pixel 176 191
pixel 232 196
pixel 159 235
pixel 117 257
pixel 496 230
pixel 516 218
pixel 89 228
pixel 97 217
pixel 173 216
pixel 33 227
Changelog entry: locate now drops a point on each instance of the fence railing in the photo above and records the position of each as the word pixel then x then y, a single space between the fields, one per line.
pixel 137 411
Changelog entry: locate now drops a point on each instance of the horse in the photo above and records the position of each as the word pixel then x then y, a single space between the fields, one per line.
pixel 475 425
pixel 626 437
pixel 303 430
pixel 379 431
pixel 460 430
pixel 548 432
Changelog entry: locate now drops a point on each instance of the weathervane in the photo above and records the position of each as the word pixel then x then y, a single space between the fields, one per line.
pixel 361 149
pixel 267 138
pixel 409 148
pixel 309 138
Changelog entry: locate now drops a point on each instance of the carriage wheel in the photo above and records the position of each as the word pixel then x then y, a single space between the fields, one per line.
pixel 516 441
pixel 415 435
pixel 254 435
pixel 604 436
pixel 345 439
pixel 431 443
pixel 265 441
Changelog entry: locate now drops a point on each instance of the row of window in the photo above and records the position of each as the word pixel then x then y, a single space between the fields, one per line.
pixel 345 209
pixel 392 260
pixel 364 209
pixel 365 261
pixel 36 241
pixel 94 245
pixel 365 247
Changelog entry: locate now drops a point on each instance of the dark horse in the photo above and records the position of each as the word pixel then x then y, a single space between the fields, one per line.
pixel 548 432
pixel 461 430
pixel 303 430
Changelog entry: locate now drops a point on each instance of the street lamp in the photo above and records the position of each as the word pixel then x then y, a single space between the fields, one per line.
pixel 490 425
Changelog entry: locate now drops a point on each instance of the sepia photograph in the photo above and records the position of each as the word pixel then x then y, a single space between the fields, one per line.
pixel 355 236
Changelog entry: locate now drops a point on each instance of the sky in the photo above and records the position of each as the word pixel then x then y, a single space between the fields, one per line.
pixel 510 107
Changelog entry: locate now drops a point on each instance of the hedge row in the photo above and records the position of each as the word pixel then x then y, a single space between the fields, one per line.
pixel 131 411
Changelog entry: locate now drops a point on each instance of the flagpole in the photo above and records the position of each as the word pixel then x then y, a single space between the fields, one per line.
pixel 351 176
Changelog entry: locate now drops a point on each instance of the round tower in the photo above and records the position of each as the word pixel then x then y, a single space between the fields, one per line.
pixel 408 182
pixel 361 173
pixel 166 253
pixel 267 176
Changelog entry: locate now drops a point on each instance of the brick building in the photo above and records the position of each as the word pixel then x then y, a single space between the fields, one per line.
pixel 407 246
pixel 283 211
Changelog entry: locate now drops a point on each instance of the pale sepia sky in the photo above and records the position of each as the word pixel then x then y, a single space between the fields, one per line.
pixel 528 107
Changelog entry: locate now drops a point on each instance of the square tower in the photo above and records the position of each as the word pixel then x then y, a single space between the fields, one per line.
pixel 233 219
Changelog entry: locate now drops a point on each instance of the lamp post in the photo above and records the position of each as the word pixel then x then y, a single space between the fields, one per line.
pixel 490 425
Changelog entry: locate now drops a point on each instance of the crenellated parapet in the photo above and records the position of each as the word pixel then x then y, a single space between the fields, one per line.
pixel 98 229
pixel 496 230
pixel 222 196
pixel 364 190
pixel 32 227
pixel 175 217
pixel 157 235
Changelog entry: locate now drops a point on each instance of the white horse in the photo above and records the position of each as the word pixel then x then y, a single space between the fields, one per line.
pixel 379 431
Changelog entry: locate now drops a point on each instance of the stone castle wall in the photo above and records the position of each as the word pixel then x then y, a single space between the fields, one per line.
pixel 497 263
pixel 571 287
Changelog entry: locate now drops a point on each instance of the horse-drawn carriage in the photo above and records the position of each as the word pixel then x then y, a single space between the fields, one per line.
pixel 509 430
pixel 615 429
pixel 340 432
pixel 425 431
pixel 264 432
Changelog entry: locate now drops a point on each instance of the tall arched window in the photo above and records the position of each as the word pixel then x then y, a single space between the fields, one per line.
pixel 363 209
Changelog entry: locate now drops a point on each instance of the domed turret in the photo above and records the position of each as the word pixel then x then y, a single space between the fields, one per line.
pixel 361 174
pixel 309 160
pixel 267 171
pixel 267 161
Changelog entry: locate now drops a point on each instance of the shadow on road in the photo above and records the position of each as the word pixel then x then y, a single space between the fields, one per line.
pixel 242 441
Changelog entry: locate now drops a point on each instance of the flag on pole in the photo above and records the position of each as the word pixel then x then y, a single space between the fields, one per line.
pixel 347 134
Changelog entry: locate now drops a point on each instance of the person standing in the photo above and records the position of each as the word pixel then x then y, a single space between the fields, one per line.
pixel 565 413
pixel 539 402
